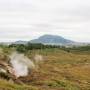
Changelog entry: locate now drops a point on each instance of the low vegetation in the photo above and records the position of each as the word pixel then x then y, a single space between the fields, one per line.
pixel 63 68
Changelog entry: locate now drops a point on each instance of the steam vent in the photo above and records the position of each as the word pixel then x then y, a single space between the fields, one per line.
pixel 6 70
pixel 17 67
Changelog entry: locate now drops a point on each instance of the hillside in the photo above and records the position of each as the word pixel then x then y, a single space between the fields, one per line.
pixel 52 39
pixel 59 71
pixel 20 42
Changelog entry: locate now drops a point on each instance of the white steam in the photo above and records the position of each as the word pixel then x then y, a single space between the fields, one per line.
pixel 21 64
pixel 38 59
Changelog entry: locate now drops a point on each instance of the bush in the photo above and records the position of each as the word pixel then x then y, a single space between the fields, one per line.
pixel 20 48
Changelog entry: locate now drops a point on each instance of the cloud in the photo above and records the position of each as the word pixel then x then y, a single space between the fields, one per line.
pixel 28 19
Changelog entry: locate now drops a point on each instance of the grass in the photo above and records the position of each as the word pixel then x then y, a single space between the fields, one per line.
pixel 72 68
pixel 59 71
pixel 4 85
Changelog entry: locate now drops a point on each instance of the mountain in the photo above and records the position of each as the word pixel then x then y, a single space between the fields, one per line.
pixel 20 42
pixel 52 39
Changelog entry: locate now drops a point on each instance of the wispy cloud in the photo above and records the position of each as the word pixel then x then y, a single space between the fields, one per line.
pixel 28 19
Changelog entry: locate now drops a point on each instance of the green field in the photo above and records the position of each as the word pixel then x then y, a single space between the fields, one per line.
pixel 60 70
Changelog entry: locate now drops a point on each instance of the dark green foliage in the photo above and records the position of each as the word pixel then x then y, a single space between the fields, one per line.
pixel 78 48
pixel 33 46
pixel 12 45
pixel 21 48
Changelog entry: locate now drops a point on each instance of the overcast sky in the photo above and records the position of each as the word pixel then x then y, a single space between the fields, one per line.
pixel 28 19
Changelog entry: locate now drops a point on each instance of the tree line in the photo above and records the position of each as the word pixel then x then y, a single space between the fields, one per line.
pixel 31 46
pixel 34 46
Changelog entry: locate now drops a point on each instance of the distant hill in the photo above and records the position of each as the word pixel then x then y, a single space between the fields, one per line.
pixel 49 40
pixel 52 39
pixel 20 42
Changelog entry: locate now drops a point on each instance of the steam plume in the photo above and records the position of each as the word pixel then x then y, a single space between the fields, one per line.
pixel 38 59
pixel 21 64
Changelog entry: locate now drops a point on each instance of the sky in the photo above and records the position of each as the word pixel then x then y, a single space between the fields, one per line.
pixel 29 19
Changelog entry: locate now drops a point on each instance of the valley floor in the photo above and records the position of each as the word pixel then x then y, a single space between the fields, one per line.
pixel 60 70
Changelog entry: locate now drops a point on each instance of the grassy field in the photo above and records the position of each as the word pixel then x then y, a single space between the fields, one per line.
pixel 60 70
